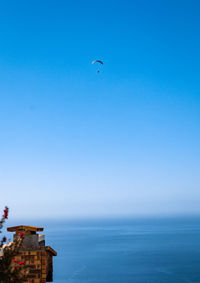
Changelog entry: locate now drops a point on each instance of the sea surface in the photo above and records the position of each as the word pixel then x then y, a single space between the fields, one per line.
pixel 122 251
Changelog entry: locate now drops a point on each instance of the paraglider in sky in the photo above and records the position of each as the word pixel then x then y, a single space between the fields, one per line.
pixel 99 63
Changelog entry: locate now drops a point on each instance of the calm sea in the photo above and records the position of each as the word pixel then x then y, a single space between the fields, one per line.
pixel 117 251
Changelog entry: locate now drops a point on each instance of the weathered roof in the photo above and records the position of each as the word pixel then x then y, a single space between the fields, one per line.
pixel 52 251
pixel 24 228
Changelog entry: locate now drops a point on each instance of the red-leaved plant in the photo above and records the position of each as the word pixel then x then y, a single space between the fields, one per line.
pixel 11 270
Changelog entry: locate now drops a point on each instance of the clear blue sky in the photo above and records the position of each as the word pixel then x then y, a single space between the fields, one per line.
pixel 125 142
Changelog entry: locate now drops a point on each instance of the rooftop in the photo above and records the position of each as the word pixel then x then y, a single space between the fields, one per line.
pixel 24 228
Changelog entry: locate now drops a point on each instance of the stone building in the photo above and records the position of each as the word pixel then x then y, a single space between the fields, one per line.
pixel 38 258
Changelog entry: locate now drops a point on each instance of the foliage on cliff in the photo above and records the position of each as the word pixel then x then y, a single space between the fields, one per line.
pixel 11 270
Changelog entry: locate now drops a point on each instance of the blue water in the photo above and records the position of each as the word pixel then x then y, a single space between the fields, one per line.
pixel 123 251
pixel 136 251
